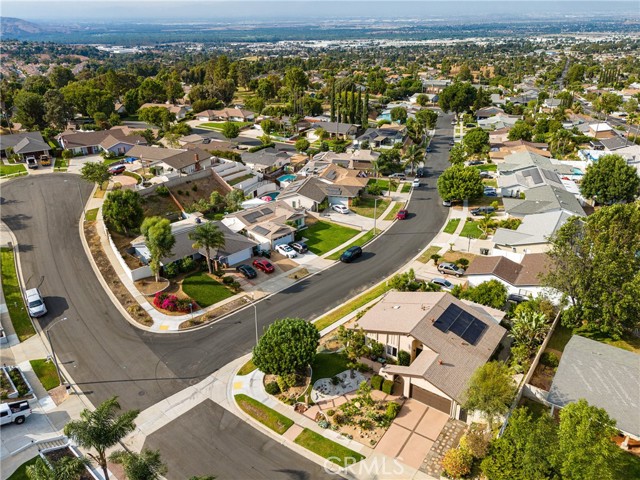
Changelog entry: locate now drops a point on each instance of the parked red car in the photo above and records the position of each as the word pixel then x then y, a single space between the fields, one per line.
pixel 264 265
pixel 117 169
pixel 402 214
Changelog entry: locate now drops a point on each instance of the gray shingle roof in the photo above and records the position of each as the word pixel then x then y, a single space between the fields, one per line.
pixel 605 376
pixel 33 139
pixel 542 199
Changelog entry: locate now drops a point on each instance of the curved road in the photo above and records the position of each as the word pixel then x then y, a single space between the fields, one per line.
pixel 107 356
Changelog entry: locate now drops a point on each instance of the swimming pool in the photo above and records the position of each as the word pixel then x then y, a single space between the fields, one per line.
pixel 272 195
pixel 287 178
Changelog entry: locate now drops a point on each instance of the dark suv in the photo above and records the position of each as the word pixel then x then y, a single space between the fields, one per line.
pixel 247 270
pixel 482 211
pixel 350 254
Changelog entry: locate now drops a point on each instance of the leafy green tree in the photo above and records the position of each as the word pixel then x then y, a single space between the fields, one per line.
pixel 525 450
pixel 457 97
pixel 295 79
pixel 596 267
pixel 30 109
pixel 460 183
pixel 159 240
pixel 354 342
pixel 610 180
pixel 422 100
pixel 101 429
pixel 521 131
pixel 67 468
pixel 585 448
pixel 302 145
pixel 122 210
pixel 476 141
pixel 288 346
pixel 427 118
pixel 60 76
pixel 234 199
pixel 457 155
pixel 208 236
pixel 158 116
pixel 57 111
pixel 230 130
pixel 491 293
pixel 607 102
pixel 151 91
pixel 131 102
pixel 413 157
pixel 95 172
pixel 399 114
pixel 465 75
pixel 491 390
pixel 145 465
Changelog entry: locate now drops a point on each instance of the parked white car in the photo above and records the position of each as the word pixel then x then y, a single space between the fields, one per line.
pixel 35 303
pixel 415 183
pixel 446 285
pixel 286 250
pixel 340 209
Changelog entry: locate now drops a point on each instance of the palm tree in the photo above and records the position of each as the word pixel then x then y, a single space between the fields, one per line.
pixel 375 167
pixel 67 468
pixel 145 465
pixel 413 157
pixel 101 429
pixel 207 236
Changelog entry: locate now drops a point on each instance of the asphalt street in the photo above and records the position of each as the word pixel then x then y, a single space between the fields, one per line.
pixel 107 356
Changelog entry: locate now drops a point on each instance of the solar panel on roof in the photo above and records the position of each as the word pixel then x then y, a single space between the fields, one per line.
pixel 462 322
pixel 474 331
pixel 444 322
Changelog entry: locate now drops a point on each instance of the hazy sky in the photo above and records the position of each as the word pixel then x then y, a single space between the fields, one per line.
pixel 243 10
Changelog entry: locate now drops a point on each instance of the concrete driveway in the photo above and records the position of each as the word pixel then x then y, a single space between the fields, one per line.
pixel 412 433
pixel 126 182
pixel 76 163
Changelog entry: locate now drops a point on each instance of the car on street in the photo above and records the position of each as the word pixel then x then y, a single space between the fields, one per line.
pixel 415 183
pixel 286 250
pixel 350 254
pixel 299 247
pixel 400 176
pixel 421 172
pixel 475 162
pixel 340 209
pixel 117 169
pixel 447 268
pixel 476 212
pixel 446 203
pixel 264 265
pixel 402 214
pixel 490 192
pixel 443 283
pixel 451 143
pixel 429 149
pixel 247 270
pixel 485 174
pixel 35 303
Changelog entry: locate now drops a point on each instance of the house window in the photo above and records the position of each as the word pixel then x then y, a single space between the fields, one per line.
pixel 391 350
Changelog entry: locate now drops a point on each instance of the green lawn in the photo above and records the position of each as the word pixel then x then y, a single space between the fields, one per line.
pixel 241 179
pixel 360 241
pixel 328 449
pixel 629 342
pixel 471 230
pixel 487 167
pixel 91 215
pixel 111 161
pixel 204 289
pixel 366 204
pixel 490 182
pixel 426 256
pixel 218 125
pixel 384 184
pixel 265 415
pixel 46 372
pixel 391 216
pixel 323 237
pixel 13 297
pixel 560 338
pixel 61 165
pixel 21 472
pixel 452 225
pixel 406 188
pixel 326 320
pixel 327 365
pixel 247 368
pixel 11 169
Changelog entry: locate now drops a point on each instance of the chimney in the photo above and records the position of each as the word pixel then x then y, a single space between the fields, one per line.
pixel 439 362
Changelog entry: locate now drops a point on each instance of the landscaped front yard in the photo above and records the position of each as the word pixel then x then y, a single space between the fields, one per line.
pixel 471 230
pixel 328 449
pixel 219 125
pixel 323 237
pixel 366 206
pixel 265 415
pixel 204 290
pixel 13 297
pixel 452 225
pixel 11 169
pixel 46 372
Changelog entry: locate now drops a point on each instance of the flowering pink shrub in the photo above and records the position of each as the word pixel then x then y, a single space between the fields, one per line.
pixel 172 303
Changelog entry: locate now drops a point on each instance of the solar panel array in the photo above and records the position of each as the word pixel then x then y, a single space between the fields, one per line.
pixel 461 323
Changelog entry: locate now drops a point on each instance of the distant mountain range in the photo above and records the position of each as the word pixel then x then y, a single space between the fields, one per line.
pixel 18 28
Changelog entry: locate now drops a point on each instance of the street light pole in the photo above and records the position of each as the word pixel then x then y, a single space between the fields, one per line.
pixel 255 315
pixel 53 353
pixel 81 201
pixel 375 217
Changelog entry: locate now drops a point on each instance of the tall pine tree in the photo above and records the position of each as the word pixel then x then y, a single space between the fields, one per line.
pixel 365 110
pixel 333 100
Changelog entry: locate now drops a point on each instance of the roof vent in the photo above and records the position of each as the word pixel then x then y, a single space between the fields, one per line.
pixel 396 307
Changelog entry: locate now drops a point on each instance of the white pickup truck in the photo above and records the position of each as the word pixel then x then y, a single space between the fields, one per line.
pixel 16 412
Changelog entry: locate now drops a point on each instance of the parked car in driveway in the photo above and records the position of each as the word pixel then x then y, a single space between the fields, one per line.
pixel 32 162
pixel 264 265
pixel 117 169
pixel 485 174
pixel 482 211
pixel 446 203
pixel 247 270
pixel 402 214
pixel 350 254
pixel 400 176
pixel 450 269
pixel 443 283
pixel 340 209
pixel 476 162
pixel 517 298
pixel 299 247
pixel 490 192
pixel 35 303
pixel 286 250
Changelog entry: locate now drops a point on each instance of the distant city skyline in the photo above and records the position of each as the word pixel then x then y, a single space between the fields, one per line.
pixel 251 11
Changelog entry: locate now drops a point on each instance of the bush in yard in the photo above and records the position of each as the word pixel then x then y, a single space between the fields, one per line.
pixel 171 270
pixel 272 388
pixel 436 258
pixel 376 382
pixel 374 189
pixel 404 358
pixel 456 463
pixel 285 382
pixel 392 410
pixel 331 412
pixel 162 191
pixel 549 359
pixel 476 441
pixel 463 262
pixel 377 349
pixel 227 280
pixel 387 387
pixel 187 264
pixel 171 303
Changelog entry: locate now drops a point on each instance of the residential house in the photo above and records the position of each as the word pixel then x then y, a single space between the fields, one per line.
pixel 543 199
pixel 500 151
pixel 511 185
pixel 499 136
pixel 532 236
pixel 522 278
pixel 498 121
pixel 337 130
pixel 355 160
pixel 266 160
pixel 497 99
pixel 168 160
pixel 525 159
pixel 435 86
pixel 607 377
pixel 600 130
pixel 227 115
pixel 384 137
pixel 180 111
pixel 24 145
pixel 269 225
pixel 237 248
pixel 447 340
pixel 115 141
pixel 488 112
pixel 550 104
